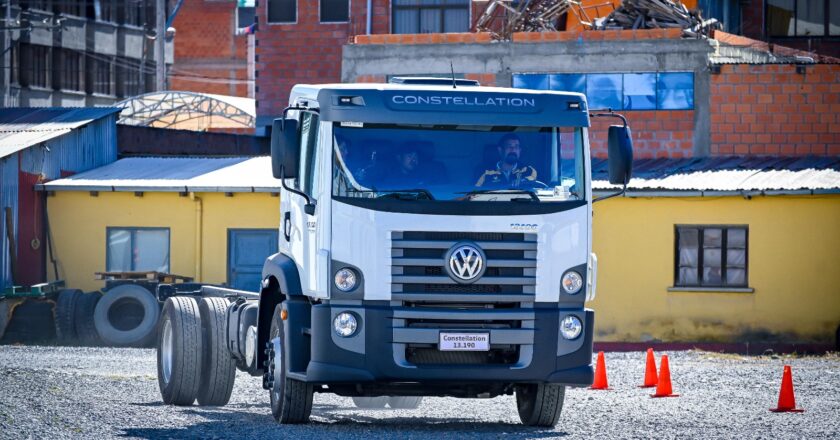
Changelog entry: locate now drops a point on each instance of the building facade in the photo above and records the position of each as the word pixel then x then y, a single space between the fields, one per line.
pixel 74 53
pixel 212 219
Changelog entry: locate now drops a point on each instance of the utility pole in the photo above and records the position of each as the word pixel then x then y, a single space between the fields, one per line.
pixel 160 42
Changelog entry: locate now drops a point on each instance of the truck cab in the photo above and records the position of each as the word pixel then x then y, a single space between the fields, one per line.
pixel 435 240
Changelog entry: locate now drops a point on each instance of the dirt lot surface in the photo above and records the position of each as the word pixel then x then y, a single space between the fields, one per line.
pixel 60 392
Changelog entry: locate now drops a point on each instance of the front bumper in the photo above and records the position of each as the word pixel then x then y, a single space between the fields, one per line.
pixel 376 354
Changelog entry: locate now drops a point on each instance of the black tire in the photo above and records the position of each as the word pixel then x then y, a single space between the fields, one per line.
pixel 377 402
pixel 65 316
pixel 291 400
pixel 540 405
pixel 405 402
pixel 127 316
pixel 218 366
pixel 4 317
pixel 179 351
pixel 85 328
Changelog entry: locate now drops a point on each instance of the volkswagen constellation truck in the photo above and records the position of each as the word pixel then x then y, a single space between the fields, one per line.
pixel 435 240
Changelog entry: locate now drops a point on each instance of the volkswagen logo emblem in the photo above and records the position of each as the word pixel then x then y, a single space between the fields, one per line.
pixel 465 262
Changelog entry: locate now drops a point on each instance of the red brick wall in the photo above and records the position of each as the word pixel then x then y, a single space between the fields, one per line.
pixel 656 134
pixel 771 109
pixel 307 51
pixel 208 57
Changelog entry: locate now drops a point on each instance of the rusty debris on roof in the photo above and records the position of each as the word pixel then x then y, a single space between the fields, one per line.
pixel 502 18
pixel 657 14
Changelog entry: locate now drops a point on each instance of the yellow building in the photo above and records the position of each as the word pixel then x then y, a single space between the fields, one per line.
pixel 730 250
pixel 699 250
pixel 142 214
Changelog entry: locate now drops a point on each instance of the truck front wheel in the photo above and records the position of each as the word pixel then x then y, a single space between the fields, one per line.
pixel 540 404
pixel 291 400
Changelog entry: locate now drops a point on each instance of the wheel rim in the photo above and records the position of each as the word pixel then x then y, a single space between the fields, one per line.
pixel 277 364
pixel 166 351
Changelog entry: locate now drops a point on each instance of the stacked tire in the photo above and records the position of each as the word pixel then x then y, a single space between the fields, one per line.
pixel 127 316
pixel 193 359
pixel 84 325
pixel 64 316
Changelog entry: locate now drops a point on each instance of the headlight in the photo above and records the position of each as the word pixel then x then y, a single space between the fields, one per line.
pixel 570 327
pixel 345 279
pixel 345 324
pixel 572 282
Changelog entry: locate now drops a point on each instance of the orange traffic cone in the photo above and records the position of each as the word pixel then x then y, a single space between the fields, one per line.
pixel 600 374
pixel 787 401
pixel 663 385
pixel 650 371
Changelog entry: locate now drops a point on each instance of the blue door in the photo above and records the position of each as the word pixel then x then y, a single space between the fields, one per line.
pixel 247 251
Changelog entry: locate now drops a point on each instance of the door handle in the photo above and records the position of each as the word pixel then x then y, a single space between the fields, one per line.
pixel 287 225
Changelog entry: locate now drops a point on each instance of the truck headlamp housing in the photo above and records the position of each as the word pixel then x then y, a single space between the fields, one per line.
pixel 571 282
pixel 345 279
pixel 570 327
pixel 345 324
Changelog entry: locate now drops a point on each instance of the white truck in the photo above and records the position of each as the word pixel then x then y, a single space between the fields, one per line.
pixel 435 241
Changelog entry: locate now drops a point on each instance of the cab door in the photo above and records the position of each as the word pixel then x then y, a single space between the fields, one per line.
pixel 300 229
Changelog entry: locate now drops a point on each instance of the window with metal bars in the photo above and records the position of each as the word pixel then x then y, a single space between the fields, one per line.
pixel 101 74
pixel 70 70
pixel 130 82
pixel 710 256
pixel 35 64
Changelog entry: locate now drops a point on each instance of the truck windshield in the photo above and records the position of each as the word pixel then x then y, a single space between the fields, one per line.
pixel 454 162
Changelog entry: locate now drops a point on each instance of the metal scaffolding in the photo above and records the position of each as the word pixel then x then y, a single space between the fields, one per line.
pixel 187 111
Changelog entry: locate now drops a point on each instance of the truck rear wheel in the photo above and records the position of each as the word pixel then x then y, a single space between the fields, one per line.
pixel 540 404
pixel 179 351
pixel 219 367
pixel 291 400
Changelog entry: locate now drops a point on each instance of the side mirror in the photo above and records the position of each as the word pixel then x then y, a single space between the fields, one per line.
pixel 619 154
pixel 285 148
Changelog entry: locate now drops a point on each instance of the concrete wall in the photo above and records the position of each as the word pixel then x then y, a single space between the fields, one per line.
pixel 78 222
pixel 794 246
pixel 674 133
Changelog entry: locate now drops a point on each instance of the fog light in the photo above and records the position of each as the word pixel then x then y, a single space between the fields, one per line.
pixel 345 324
pixel 572 282
pixel 345 279
pixel 570 327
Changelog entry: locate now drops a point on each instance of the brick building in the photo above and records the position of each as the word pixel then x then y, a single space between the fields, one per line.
pixel 212 49
pixel 683 97
pixel 300 41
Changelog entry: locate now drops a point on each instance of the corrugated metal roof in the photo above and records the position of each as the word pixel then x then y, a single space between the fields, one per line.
pixel 24 127
pixel 171 174
pixel 728 174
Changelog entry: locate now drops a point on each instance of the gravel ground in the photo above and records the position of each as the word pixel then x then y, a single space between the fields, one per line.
pixel 60 392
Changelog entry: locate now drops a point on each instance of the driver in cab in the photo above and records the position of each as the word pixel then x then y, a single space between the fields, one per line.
pixel 508 172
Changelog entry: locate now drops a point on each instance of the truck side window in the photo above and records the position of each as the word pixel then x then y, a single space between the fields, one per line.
pixel 308 144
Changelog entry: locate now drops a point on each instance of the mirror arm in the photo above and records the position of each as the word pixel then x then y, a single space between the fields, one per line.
pixel 609 196
pixel 609 114
pixel 292 190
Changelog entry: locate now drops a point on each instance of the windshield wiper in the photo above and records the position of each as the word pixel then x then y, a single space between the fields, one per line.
pixel 399 194
pixel 533 196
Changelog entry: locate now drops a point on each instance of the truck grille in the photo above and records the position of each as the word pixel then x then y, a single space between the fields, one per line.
pixel 426 301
